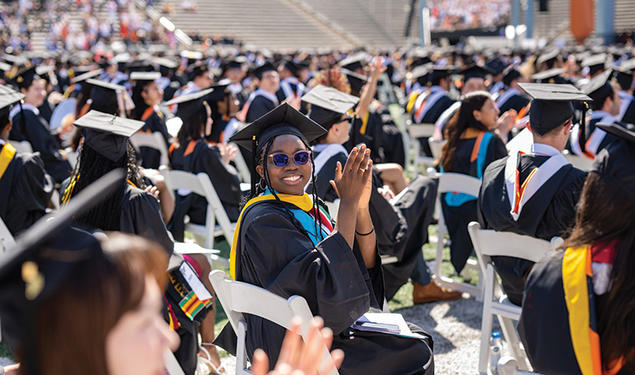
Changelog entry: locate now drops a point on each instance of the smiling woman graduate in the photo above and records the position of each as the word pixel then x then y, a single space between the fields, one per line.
pixel 286 243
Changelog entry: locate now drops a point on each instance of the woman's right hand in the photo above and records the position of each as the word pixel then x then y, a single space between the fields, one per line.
pixel 350 180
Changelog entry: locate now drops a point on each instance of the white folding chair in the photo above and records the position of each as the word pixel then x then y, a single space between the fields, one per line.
pixel 508 366
pixel 22 146
pixel 240 298
pixel 6 239
pixel 488 243
pixel 152 140
pixel 417 131
pixel 241 166
pixel 201 185
pixel 436 147
pixel 458 183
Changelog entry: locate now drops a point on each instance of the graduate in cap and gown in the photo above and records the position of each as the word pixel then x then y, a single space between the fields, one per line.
pixel 605 106
pixel 286 243
pixel 263 99
pixel 72 304
pixel 578 308
pixel 534 193
pixel 25 187
pixel 290 87
pixel 433 105
pixel 224 105
pixel 147 96
pixel 400 217
pixel 29 126
pixel 192 153
pixel 471 146
pixel 512 97
pixel 624 78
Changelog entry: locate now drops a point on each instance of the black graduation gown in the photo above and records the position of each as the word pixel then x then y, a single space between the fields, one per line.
pixel 371 136
pixel 457 218
pixel 25 190
pixel 141 215
pixel 549 213
pixel 334 281
pixel 258 107
pixel 36 131
pixel 401 229
pixel 217 129
pixel 151 158
pixel 516 102
pixel 224 178
pixel 629 114
pixel 392 141
pixel 434 112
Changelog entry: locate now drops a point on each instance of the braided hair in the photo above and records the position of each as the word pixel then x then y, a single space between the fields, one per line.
pixel 262 183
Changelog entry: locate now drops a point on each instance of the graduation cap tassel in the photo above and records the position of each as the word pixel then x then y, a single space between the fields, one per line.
pixel 582 133
pixel 253 168
pixel 22 119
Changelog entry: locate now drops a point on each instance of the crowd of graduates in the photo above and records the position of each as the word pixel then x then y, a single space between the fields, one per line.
pixel 331 193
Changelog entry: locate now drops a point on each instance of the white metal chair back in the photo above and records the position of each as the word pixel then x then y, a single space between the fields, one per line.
pixel 488 243
pixel 241 166
pixel 417 131
pixel 6 239
pixel 458 183
pixel 22 146
pixel 436 147
pixel 240 298
pixel 201 185
pixel 151 140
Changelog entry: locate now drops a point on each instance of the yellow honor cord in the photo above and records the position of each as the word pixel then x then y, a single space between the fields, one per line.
pixel 6 155
pixel 303 202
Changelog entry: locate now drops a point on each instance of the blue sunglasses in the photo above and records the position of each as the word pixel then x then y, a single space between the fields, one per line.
pixel 281 160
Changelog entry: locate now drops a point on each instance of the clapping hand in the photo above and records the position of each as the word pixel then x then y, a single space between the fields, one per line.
pixel 377 67
pixel 227 152
pixel 300 358
pixel 352 181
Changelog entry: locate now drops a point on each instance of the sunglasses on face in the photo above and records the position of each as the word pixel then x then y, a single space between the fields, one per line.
pixel 281 160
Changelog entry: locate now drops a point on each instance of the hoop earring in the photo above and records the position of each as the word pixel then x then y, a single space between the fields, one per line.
pixel 261 184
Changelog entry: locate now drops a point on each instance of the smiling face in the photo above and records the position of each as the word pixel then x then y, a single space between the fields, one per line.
pixel 292 178
pixel 488 114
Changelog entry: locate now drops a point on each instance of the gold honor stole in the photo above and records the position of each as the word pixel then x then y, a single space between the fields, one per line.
pixel 6 155
pixel 577 282
pixel 303 202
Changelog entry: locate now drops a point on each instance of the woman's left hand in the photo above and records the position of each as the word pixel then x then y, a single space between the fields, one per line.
pixel 364 199
pixel 227 152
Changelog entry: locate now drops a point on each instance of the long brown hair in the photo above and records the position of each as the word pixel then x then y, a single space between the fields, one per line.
pixel 462 120
pixel 73 324
pixel 605 213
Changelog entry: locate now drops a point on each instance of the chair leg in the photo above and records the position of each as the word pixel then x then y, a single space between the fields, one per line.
pixel 439 256
pixel 486 325
pixel 241 348
pixel 511 336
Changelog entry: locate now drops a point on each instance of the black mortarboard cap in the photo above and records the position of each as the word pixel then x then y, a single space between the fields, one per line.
pixel 495 65
pixel 262 69
pixel 627 66
pixel 165 62
pixel 25 77
pixel 144 76
pixel 551 105
pixel 420 73
pixel 197 69
pixel 44 257
pixel 88 75
pixel 284 119
pixel 595 63
pixel 439 72
pixel 357 81
pixel 599 87
pixel 107 134
pixel 8 96
pixel 509 74
pixel 104 95
pixel 184 99
pixel 218 93
pixel 354 62
pixel 105 85
pixel 617 159
pixel 291 66
pixel 328 104
pixel 548 76
pixel 476 71
pixel 548 57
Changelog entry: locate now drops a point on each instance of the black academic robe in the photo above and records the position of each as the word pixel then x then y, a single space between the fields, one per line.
pixel 217 130
pixel 392 141
pixel 516 102
pixel 371 135
pixel 141 215
pixel 259 106
pixel 25 190
pixel 548 213
pixel 151 158
pixel 434 112
pixel 274 254
pixel 629 114
pixel 401 228
pixel 207 159
pixel 36 131
pixel 457 218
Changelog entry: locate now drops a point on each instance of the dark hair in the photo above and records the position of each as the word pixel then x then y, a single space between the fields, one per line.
pixel 605 213
pixel 599 96
pixel 624 80
pixel 259 187
pixel 75 322
pixel 139 102
pixel 105 101
pixel 194 121
pixel 4 118
pixel 462 120
pixel 90 166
